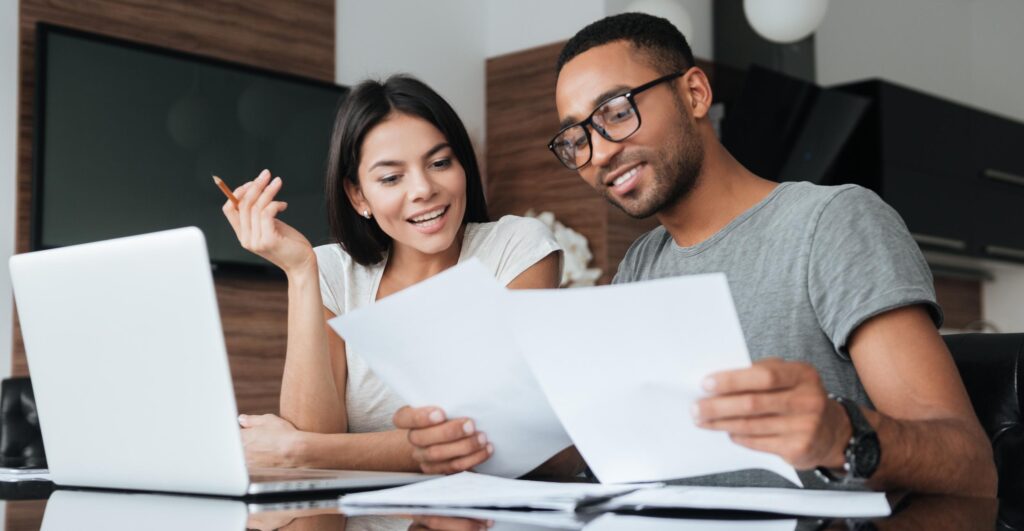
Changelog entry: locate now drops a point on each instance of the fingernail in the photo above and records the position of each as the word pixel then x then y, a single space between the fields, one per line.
pixel 264 172
pixel 708 384
pixel 277 180
pixel 468 427
pixel 482 438
pixel 490 449
pixel 695 411
pixel 436 416
pixel 241 419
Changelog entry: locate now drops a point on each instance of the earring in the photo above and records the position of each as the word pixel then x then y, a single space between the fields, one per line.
pixel 366 214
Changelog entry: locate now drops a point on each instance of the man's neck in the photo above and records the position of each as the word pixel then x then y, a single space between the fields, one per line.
pixel 724 190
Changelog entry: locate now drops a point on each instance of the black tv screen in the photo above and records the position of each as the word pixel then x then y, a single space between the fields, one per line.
pixel 128 136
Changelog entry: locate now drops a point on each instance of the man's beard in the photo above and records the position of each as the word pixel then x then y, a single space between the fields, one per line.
pixel 674 169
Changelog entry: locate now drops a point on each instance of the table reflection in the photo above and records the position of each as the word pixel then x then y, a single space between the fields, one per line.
pixel 93 510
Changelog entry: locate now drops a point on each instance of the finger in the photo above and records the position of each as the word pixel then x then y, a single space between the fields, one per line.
pixel 743 405
pixel 230 209
pixel 269 216
pixel 447 452
pixel 259 208
pixel 409 418
pixel 461 464
pixel 245 202
pixel 768 425
pixel 446 432
pixel 467 463
pixel 766 375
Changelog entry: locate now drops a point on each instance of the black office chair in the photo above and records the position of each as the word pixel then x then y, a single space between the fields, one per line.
pixel 992 369
pixel 21 442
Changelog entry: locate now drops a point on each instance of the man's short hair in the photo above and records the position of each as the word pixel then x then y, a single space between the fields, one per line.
pixel 661 43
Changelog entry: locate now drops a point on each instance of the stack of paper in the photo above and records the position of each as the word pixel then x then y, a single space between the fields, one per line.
pixel 796 502
pixel 475 491
pixel 470 490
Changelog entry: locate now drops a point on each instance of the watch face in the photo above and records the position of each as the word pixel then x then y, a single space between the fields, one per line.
pixel 866 455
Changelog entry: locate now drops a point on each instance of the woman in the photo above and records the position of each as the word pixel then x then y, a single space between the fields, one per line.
pixel 405 202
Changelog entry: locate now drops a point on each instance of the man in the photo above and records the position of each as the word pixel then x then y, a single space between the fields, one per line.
pixel 833 294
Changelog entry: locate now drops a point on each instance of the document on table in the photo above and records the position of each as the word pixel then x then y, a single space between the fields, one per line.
pixel 622 365
pixel 795 502
pixel 444 343
pixel 619 522
pixel 471 490
pixel 504 519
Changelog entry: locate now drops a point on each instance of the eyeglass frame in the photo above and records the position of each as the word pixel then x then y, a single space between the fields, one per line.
pixel 589 120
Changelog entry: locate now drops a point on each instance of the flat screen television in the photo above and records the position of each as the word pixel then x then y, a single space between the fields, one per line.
pixel 127 137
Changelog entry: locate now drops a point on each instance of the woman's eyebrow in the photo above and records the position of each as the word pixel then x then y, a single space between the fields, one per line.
pixel 432 151
pixel 384 163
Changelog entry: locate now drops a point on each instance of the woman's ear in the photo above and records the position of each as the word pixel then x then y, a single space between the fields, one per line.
pixel 355 196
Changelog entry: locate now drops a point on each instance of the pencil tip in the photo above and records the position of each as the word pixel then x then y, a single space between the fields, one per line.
pixel 216 179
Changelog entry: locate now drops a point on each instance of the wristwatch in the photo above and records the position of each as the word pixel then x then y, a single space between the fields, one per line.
pixel 863 451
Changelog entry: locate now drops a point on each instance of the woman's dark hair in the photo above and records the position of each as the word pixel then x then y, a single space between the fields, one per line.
pixel 367 105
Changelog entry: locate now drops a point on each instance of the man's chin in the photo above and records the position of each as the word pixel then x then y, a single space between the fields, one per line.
pixel 635 209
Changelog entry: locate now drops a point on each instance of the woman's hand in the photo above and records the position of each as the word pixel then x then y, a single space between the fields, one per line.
pixel 270 442
pixel 258 229
pixel 442 446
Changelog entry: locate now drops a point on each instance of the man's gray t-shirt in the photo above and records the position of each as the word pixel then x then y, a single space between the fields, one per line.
pixel 806 266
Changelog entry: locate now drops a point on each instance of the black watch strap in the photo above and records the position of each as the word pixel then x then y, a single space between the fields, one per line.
pixel 862 453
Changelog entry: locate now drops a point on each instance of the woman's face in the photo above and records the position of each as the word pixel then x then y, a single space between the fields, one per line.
pixel 411 183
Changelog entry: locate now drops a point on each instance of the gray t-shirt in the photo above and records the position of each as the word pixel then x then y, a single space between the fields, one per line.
pixel 806 266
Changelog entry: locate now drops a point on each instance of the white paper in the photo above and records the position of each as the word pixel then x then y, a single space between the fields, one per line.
pixel 795 502
pixel 618 522
pixel 443 343
pixel 622 366
pixel 469 490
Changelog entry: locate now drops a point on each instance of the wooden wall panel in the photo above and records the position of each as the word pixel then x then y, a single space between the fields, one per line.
pixel 294 36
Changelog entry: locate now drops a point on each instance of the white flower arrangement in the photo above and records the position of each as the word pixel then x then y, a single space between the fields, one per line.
pixel 575 250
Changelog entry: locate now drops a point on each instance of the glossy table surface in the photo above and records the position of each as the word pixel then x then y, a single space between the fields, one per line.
pixel 36 505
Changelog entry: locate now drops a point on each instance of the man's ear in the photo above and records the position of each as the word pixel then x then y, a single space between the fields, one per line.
pixel 355 196
pixel 697 90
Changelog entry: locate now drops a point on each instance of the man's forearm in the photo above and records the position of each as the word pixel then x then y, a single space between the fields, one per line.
pixel 950 456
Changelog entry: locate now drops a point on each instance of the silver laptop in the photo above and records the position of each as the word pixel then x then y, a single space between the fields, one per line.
pixel 130 372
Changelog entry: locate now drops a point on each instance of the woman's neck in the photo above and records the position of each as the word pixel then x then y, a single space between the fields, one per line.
pixel 407 266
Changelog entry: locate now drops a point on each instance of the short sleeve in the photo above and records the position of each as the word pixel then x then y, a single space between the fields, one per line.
pixel 517 243
pixel 863 262
pixel 329 266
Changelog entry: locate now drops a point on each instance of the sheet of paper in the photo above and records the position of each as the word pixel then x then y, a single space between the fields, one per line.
pixel 443 343
pixel 622 366
pixel 795 502
pixel 469 490
pixel 618 522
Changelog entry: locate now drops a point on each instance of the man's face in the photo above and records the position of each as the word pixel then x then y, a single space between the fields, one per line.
pixel 657 165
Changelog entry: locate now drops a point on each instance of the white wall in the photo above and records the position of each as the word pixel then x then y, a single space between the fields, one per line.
pixel 701 41
pixel 441 42
pixel 518 25
pixel 965 51
pixel 8 164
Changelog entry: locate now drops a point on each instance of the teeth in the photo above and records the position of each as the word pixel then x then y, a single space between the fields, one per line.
pixel 626 176
pixel 428 216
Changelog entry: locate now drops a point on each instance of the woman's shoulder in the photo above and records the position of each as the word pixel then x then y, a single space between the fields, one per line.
pixel 333 260
pixel 508 228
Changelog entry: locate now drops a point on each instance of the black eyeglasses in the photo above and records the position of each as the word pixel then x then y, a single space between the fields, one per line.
pixel 615 119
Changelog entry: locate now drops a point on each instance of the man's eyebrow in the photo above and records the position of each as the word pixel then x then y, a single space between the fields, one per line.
pixel 601 98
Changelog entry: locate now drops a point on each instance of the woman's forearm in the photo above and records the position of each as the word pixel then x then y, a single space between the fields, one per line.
pixel 309 395
pixel 387 450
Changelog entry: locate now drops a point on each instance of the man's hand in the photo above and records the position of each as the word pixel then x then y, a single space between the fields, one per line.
pixel 779 407
pixel 443 446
